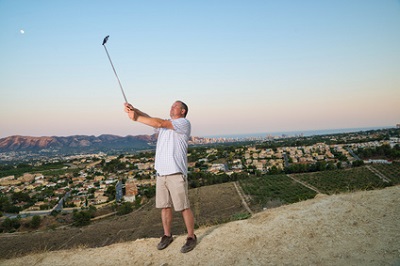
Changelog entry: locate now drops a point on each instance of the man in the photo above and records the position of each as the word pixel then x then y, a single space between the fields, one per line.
pixel 171 167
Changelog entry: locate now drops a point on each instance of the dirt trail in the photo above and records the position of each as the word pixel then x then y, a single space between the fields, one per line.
pixel 378 174
pixel 304 184
pixel 360 228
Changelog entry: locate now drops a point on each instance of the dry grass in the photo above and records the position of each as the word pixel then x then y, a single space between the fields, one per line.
pixel 358 228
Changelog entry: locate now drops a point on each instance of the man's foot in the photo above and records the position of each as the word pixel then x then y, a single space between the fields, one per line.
pixel 189 245
pixel 165 241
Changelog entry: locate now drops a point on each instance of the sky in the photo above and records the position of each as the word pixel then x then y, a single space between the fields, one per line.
pixel 241 66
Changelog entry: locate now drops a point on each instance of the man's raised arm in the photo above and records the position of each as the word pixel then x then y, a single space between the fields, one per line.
pixel 137 115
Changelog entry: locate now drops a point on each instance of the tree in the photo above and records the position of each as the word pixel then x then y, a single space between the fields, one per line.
pixel 10 224
pixel 148 191
pixel 110 192
pixel 81 218
pixel 35 222
pixel 124 208
pixel 20 197
pixel 44 207
pixel 4 202
pixel 320 166
pixel 7 206
pixel 357 163
pixel 274 170
pixel 330 166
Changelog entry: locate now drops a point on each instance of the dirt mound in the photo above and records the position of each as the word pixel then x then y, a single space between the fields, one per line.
pixel 360 228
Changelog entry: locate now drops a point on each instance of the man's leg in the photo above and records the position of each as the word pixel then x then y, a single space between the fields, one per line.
pixel 166 217
pixel 189 221
pixel 191 240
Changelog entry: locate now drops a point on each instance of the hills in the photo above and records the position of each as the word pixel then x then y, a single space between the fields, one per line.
pixel 358 228
pixel 77 143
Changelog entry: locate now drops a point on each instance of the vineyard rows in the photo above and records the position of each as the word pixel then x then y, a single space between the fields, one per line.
pixel 391 171
pixel 275 190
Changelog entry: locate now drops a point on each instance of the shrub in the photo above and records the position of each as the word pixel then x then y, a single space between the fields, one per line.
pixel 81 218
pixel 10 224
pixel 240 216
pixel 124 208
pixel 35 222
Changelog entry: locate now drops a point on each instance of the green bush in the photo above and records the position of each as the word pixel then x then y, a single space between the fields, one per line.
pixel 81 218
pixel 10 224
pixel 125 208
pixel 35 222
pixel 240 216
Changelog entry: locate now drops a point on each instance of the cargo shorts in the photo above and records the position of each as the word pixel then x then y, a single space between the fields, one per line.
pixel 172 190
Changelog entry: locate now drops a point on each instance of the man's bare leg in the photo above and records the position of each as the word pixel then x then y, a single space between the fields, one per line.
pixel 166 239
pixel 189 221
pixel 166 217
pixel 191 240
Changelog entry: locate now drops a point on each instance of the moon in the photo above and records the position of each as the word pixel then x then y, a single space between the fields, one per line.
pixel 22 31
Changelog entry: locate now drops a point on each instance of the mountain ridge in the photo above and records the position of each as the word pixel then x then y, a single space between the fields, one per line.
pixel 76 143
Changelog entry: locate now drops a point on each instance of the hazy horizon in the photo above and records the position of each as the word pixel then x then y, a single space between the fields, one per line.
pixel 243 135
pixel 255 66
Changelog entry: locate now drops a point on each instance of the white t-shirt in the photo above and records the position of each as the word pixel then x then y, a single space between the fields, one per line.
pixel 172 145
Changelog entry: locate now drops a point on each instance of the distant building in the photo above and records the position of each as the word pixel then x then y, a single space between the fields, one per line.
pixel 378 161
pixel 11 177
pixel 99 178
pixel 100 199
pixel 118 191
pixel 131 190
pixel 398 125
pixel 217 167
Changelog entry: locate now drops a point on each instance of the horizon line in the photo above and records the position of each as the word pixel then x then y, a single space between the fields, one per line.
pixel 240 135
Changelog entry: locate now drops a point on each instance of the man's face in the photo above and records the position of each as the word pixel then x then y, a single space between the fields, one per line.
pixel 176 110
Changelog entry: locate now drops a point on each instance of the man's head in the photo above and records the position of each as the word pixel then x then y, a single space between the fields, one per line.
pixel 178 109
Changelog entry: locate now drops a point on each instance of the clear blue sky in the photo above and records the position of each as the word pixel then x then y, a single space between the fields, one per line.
pixel 241 66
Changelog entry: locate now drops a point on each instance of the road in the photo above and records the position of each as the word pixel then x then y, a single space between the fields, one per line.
pixel 353 154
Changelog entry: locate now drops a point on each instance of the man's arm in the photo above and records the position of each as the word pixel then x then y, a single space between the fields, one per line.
pixel 129 107
pixel 155 122
pixel 137 115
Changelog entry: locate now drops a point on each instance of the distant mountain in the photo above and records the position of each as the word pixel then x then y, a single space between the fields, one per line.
pixel 77 143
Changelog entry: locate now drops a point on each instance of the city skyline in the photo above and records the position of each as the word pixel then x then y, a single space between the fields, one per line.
pixel 259 66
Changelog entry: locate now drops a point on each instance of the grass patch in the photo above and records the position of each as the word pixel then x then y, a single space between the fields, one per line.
pixel 240 216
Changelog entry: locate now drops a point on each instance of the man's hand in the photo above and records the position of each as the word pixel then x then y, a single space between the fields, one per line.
pixel 131 111
pixel 128 107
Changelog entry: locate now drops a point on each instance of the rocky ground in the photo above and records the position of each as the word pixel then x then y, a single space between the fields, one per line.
pixel 361 228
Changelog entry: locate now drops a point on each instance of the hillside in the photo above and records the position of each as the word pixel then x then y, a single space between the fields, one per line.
pixel 142 223
pixel 360 228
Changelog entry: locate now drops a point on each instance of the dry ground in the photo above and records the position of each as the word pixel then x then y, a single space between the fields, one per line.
pixel 361 228
pixel 211 205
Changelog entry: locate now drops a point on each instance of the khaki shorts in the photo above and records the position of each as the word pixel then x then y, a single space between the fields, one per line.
pixel 172 190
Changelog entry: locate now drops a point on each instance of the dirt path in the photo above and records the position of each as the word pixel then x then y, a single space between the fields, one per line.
pixel 360 228
pixel 305 184
pixel 240 193
pixel 378 174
